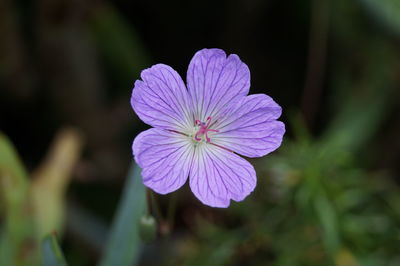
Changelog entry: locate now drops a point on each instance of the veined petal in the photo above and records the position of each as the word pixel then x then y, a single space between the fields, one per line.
pixel 246 105
pixel 215 81
pixel 217 176
pixel 250 128
pixel 165 158
pixel 161 99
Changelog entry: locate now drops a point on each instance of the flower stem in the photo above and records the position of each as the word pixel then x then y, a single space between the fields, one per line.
pixel 153 207
pixel 172 210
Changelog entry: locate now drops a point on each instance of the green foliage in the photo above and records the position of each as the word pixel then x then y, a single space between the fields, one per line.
pixel 18 245
pixel 51 252
pixel 124 240
pixel 386 11
pixel 50 182
pixel 119 45
pixel 147 228
pixel 29 205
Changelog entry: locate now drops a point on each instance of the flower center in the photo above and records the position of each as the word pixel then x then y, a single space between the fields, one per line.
pixel 203 129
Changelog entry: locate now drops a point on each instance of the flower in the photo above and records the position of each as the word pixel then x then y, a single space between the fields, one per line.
pixel 198 130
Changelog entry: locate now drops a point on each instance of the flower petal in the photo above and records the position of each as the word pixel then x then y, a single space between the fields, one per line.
pixel 217 176
pixel 161 99
pixel 165 158
pixel 250 128
pixel 214 81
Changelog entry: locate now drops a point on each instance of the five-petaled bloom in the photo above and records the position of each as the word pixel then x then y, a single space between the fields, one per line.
pixel 198 129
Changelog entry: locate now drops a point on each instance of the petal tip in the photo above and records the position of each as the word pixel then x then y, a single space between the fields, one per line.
pixel 208 52
pixel 221 203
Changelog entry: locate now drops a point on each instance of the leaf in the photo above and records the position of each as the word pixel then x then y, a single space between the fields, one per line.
pixel 386 11
pixel 18 244
pixel 328 220
pixel 51 252
pixel 345 258
pixel 51 180
pixel 119 44
pixel 10 163
pixel 124 241
pixel 90 229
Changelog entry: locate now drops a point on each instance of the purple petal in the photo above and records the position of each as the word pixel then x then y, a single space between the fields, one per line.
pixel 161 99
pixel 165 158
pixel 250 128
pixel 217 176
pixel 215 81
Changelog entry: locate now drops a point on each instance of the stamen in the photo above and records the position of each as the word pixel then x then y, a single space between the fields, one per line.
pixel 209 121
pixel 196 137
pixel 203 130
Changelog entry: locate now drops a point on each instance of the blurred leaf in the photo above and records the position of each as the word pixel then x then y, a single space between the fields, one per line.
pixel 88 227
pixel 365 101
pixel 51 252
pixel 345 258
pixel 124 245
pixel 214 255
pixel 6 250
pixel 51 179
pixel 147 228
pixel 355 124
pixel 119 44
pixel 328 219
pixel 10 164
pixel 18 244
pixel 213 246
pixel 386 11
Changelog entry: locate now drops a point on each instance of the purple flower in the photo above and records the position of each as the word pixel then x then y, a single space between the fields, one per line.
pixel 199 129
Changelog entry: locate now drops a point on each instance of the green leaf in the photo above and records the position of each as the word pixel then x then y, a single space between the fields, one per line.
pixel 119 43
pixel 17 244
pixel 51 252
pixel 10 163
pixel 50 182
pixel 328 220
pixel 124 241
pixel 386 11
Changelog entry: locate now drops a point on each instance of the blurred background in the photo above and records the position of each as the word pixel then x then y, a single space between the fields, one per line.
pixel 328 196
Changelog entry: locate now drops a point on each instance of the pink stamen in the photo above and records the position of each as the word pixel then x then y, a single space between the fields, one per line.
pixel 209 121
pixel 203 130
